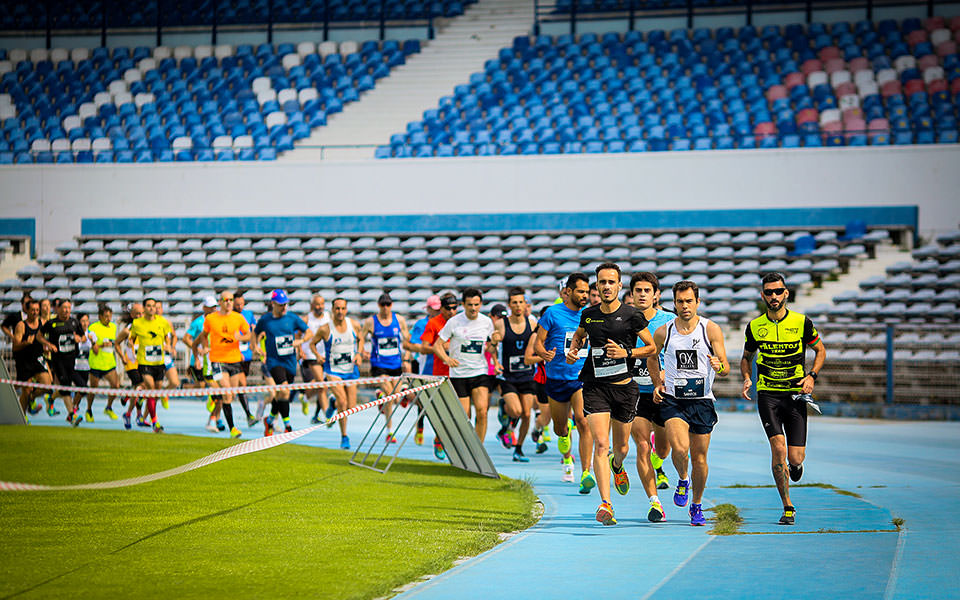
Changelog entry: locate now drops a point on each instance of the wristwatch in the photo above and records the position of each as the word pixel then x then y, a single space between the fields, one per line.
pixel 813 374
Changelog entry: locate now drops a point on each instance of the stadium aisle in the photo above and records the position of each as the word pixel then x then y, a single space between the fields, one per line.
pixel 909 470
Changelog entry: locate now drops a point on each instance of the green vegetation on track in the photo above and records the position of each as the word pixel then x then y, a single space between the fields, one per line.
pixel 293 521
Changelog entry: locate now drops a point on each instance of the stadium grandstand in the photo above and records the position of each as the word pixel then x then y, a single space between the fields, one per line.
pixel 393 154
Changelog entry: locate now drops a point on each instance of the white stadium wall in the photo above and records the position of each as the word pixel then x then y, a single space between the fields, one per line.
pixel 742 182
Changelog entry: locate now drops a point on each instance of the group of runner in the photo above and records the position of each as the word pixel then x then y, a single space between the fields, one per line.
pixel 613 366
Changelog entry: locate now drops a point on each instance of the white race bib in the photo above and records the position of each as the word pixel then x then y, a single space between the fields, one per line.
pixel 244 346
pixel 153 353
pixel 388 346
pixel 82 363
pixel 284 345
pixel 568 341
pixel 518 366
pixel 472 347
pixel 67 343
pixel 607 367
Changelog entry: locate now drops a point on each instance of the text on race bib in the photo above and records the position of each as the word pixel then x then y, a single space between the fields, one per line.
pixel 607 367
pixel 67 343
pixel 568 341
pixel 283 345
pixel 82 363
pixel 689 388
pixel 216 371
pixel 388 346
pixel 342 359
pixel 153 353
pixel 517 365
pixel 472 347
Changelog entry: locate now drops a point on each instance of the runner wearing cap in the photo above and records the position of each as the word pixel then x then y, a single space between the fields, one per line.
pixel 341 359
pixel 310 367
pixel 389 338
pixel 199 367
pixel 281 333
pixel 429 340
pixel 423 363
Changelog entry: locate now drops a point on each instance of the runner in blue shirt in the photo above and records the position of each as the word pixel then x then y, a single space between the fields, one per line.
pixel 281 333
pixel 554 334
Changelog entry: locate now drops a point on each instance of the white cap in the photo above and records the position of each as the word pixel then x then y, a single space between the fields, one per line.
pixel 210 302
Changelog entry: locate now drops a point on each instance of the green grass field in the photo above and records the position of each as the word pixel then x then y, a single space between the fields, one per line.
pixel 293 521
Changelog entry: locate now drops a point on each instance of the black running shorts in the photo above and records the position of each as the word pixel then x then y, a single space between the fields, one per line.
pixel 465 385
pixel 134 376
pixel 380 371
pixel 280 374
pixel 64 371
pixel 620 400
pixel 29 368
pixel 780 414
pixel 157 372
pixel 698 413
pixel 648 409
pixel 517 387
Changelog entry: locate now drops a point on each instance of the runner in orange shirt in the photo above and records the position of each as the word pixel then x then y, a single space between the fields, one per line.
pixel 223 331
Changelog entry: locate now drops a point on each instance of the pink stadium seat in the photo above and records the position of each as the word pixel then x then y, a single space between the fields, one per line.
pixel 852 113
pixel 946 48
pixel 890 88
pixel 845 88
pixel 807 115
pixel 926 61
pixel 934 23
pixel 832 127
pixel 792 80
pixel 879 125
pixel 828 52
pixel 858 64
pixel 834 64
pixel 764 129
pixel 955 86
pixel 854 126
pixel 916 36
pixel 775 92
pixel 913 86
pixel 811 65
pixel 937 85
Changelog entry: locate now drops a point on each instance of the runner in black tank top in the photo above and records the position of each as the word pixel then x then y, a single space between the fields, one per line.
pixel 516 381
pixel 28 354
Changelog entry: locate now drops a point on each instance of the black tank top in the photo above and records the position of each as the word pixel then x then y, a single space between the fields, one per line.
pixel 34 350
pixel 513 347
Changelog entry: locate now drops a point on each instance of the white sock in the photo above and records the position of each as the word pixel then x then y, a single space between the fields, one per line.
pixel 654 498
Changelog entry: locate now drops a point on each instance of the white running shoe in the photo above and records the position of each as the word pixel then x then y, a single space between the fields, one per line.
pixel 211 427
pixel 567 472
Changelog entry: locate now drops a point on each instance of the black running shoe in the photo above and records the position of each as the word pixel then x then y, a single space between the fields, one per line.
pixel 796 472
pixel 789 515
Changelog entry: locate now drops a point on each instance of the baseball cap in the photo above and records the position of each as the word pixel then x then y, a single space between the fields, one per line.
pixel 210 302
pixel 278 296
pixel 498 311
pixel 433 302
pixel 449 301
pixel 384 299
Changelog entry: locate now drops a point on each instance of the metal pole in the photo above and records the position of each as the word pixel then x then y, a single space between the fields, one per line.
pixel 213 27
pixel 890 363
pixel 573 18
pixel 49 24
pixel 809 10
pixel 689 14
pixel 632 20
pixel 383 19
pixel 929 8
pixel 159 27
pixel 536 17
pixel 869 10
pixel 326 20
pixel 103 24
pixel 270 22
pixel 749 12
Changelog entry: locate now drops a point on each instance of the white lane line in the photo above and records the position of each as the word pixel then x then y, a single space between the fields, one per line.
pixel 676 570
pixel 895 567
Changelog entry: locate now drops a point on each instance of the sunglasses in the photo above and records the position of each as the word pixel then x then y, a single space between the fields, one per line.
pixel 774 291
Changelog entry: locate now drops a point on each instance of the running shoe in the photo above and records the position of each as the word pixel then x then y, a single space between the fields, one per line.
pixel 126 421
pixel 518 456
pixel 77 419
pixel 507 438
pixel 662 481
pixel 26 419
pixel 345 443
pixel 391 439
pixel 165 403
pixel 260 408
pixel 287 428
pixel 547 437
pixel 304 406
pixel 567 470
pixel 221 426
pixel 251 420
pixel 235 433
pixel 535 434
pixel 680 495
pixel 587 482
pixel 796 472
pixel 315 420
pixel 141 422
pixel 331 406
pixel 211 404
pixel 438 450
pixel 696 515
pixel 109 412
pixel 35 407
pixel 418 437
pixel 88 417
pixel 542 446
pixel 656 514
pixel 52 410
pixel 502 416
pixel 789 515
pixel 656 461
pixel 267 426
pixel 211 427
pixel 605 514
pixel 621 480
pixel 330 423
pixel 563 443
pixel 157 428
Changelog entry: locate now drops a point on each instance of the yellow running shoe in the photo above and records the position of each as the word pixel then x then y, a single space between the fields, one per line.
pixel 563 443
pixel 210 404
pixel 109 412
pixel 165 402
pixel 304 405
pixel 235 433
pixel 605 514
pixel 655 460
pixel 587 482
pixel 620 479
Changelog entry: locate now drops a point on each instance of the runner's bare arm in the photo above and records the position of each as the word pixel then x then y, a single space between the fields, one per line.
pixel 718 360
pixel 820 356
pixel 366 330
pixel 541 351
pixel 322 334
pixel 578 337
pixel 529 357
pixel 18 342
pixel 648 349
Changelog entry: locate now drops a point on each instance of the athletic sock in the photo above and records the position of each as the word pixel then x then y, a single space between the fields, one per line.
pixel 243 404
pixel 286 421
pixel 152 409
pixel 514 421
pixel 654 498
pixel 228 414
pixel 273 409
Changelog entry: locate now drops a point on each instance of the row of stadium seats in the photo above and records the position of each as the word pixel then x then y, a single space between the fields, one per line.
pixel 88 14
pixel 184 103
pixel 701 89
pixel 412 267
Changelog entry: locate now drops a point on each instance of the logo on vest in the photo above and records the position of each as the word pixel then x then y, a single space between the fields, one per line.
pixel 687 360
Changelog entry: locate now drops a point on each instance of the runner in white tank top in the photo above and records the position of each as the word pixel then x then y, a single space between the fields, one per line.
pixel 342 358
pixel 693 355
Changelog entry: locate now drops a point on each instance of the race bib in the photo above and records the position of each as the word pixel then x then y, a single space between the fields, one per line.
pixel 153 353
pixel 284 345
pixel 81 364
pixel 388 346
pixel 244 347
pixel 518 366
pixel 67 343
pixel 689 388
pixel 342 360
pixel 642 373
pixel 607 367
pixel 216 371
pixel 568 341
pixel 472 347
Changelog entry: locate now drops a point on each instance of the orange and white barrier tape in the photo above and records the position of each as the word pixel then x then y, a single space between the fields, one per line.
pixel 236 450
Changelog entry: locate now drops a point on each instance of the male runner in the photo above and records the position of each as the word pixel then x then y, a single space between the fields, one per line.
pixel 28 354
pixel 517 388
pixel 203 375
pixel 388 338
pixel 564 388
pixel 223 330
pixel 103 357
pixel 60 336
pixel 10 320
pixel 341 359
pixel 81 364
pixel 238 306
pixel 310 369
pixel 594 294
pixel 281 333
pixel 780 337
pixel 423 361
pixel 172 375
pixel 469 335
pixel 693 354
pixel 609 392
pixel 152 334
pixel 646 294
pixel 429 340
pixel 128 354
